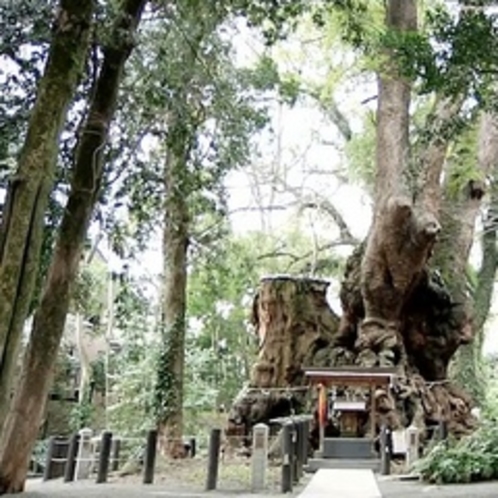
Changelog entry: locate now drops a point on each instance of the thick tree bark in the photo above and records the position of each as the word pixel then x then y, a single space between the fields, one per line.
pixel 401 237
pixel 23 420
pixel 295 328
pixel 28 192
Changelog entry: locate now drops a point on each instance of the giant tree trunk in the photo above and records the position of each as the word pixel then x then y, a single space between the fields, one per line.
pixel 28 192
pixel 21 426
pixel 295 328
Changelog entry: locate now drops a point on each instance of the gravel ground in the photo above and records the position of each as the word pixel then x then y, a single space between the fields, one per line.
pixel 126 488
pixel 88 489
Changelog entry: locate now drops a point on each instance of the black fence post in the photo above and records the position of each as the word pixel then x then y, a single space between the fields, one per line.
pixel 306 440
pixel 287 457
pixel 301 449
pixel 296 438
pixel 193 447
pixel 213 459
pixel 385 450
pixel 72 454
pixel 47 471
pixel 116 450
pixel 104 454
pixel 150 457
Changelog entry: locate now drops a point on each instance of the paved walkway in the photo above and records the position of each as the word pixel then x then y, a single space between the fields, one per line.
pixel 342 483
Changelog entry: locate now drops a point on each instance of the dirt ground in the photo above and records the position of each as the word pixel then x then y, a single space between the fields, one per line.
pixel 187 479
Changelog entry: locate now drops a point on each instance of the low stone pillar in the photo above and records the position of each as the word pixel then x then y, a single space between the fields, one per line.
pixel 85 455
pixel 412 446
pixel 259 459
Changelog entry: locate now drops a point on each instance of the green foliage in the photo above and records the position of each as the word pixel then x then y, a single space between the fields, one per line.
pixel 473 458
pixel 39 453
pixel 81 415
pixel 167 391
pixel 360 151
pixel 132 368
pixel 463 167
pixel 89 292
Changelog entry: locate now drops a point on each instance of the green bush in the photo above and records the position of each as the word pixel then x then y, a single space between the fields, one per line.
pixel 470 459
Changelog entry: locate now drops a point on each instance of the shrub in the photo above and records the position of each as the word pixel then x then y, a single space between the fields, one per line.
pixel 472 458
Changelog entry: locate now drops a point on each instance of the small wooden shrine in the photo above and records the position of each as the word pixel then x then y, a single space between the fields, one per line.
pixel 350 412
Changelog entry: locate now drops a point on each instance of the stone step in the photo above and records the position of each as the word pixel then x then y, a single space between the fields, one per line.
pixel 344 447
pixel 315 464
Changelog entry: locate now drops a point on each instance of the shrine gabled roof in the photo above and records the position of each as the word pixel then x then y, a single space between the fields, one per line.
pixel 350 376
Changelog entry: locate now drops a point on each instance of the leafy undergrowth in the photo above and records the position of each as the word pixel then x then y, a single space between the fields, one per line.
pixel 471 459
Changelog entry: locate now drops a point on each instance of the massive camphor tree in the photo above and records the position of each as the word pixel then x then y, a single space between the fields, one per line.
pixel 404 294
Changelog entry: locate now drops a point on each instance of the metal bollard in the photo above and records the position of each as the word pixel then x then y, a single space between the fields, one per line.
pixel 47 472
pixel 301 442
pixel 296 440
pixel 72 453
pixel 104 455
pixel 385 450
pixel 150 457
pixel 306 440
pixel 287 458
pixel 213 459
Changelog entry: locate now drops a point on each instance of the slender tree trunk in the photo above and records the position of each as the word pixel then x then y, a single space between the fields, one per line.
pixel 83 359
pixel 461 212
pixel 182 128
pixel 170 379
pixel 22 422
pixel 28 192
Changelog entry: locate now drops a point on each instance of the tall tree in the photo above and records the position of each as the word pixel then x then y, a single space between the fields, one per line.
pixel 399 311
pixel 21 426
pixel 208 121
pixel 29 189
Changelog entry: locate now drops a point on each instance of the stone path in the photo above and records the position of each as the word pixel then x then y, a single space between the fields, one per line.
pixel 342 483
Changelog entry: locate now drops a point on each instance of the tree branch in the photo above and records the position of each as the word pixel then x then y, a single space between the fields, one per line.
pixel 331 210
pixel 433 150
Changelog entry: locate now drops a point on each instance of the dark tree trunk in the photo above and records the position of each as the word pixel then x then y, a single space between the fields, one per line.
pixel 295 328
pixel 22 423
pixel 28 192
